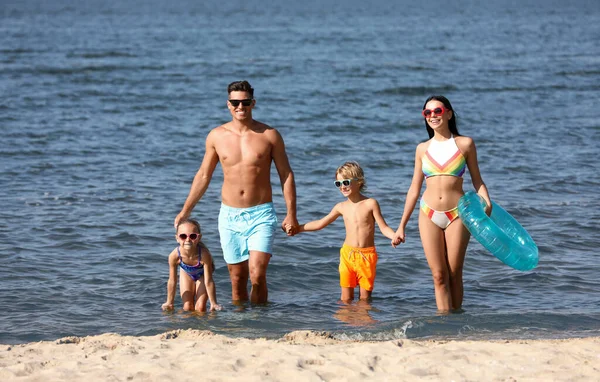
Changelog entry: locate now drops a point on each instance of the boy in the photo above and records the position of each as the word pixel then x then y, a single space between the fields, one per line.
pixel 358 257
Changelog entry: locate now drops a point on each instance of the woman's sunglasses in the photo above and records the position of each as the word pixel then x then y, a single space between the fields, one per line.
pixel 236 102
pixel 193 236
pixel 344 182
pixel 437 111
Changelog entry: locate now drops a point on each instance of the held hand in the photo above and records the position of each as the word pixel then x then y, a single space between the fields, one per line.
pixel 398 238
pixel 290 225
pixel 215 307
pixel 167 306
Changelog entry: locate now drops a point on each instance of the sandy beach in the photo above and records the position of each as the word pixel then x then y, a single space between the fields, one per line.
pixel 186 355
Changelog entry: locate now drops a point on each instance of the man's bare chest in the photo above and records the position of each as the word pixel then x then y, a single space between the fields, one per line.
pixel 252 152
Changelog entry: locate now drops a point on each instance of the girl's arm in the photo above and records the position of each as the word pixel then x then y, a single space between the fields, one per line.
pixel 471 156
pixel 208 280
pixel 172 283
pixel 412 196
pixel 383 226
pixel 316 225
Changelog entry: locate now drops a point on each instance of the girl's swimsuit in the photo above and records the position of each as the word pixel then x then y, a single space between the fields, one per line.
pixel 442 158
pixel 196 272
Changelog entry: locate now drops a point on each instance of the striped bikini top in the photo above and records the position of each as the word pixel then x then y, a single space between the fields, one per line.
pixel 443 158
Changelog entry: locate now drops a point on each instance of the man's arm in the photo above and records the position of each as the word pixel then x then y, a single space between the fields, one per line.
pixel 288 184
pixel 201 180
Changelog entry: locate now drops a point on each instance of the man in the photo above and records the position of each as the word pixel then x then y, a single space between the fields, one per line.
pixel 247 221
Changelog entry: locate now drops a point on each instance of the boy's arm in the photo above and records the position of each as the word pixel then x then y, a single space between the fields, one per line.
pixel 316 225
pixel 383 226
pixel 172 283
pixel 208 280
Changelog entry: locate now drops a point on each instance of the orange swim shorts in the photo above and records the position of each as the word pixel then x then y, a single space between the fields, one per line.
pixel 357 267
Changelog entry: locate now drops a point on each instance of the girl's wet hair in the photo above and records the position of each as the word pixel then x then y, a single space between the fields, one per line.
pixel 190 221
pixel 447 105
pixel 352 169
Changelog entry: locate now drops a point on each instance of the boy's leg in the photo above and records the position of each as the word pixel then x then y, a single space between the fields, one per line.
pixel 238 273
pixel 365 295
pixel 348 277
pixel 347 294
pixel 259 261
pixel 201 296
pixel 187 290
pixel 366 269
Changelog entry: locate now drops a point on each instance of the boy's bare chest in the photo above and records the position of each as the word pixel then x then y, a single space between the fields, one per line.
pixel 358 214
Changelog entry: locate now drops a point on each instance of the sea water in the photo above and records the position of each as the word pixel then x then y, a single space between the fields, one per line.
pixel 105 106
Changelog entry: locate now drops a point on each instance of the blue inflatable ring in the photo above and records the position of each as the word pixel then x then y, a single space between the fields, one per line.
pixel 499 233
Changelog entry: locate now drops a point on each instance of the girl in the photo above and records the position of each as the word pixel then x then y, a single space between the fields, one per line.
pixel 196 284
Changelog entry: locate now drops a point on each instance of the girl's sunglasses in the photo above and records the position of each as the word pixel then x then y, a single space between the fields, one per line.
pixel 345 182
pixel 437 111
pixel 193 236
pixel 236 102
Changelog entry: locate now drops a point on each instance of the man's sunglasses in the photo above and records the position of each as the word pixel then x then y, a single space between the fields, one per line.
pixel 236 102
pixel 345 182
pixel 437 111
pixel 193 236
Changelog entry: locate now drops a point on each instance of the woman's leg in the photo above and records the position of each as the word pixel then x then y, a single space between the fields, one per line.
pixel 432 238
pixel 457 240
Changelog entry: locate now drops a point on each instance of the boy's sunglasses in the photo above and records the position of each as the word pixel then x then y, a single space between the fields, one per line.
pixel 437 111
pixel 193 236
pixel 236 102
pixel 345 182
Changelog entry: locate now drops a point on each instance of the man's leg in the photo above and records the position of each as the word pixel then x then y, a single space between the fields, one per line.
pixel 258 264
pixel 238 273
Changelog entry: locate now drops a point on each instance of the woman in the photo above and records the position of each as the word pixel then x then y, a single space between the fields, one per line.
pixel 441 161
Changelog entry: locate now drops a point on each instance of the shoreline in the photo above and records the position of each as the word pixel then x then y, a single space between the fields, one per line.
pixel 301 355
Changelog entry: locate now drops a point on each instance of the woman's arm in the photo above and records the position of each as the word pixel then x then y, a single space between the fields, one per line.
pixel 468 147
pixel 412 195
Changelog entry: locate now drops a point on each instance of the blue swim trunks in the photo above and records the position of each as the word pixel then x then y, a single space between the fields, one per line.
pixel 246 229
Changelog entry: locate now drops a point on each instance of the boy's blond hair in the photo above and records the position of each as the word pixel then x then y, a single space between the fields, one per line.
pixel 351 170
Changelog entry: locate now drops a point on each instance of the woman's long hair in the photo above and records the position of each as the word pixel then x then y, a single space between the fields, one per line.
pixel 447 105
